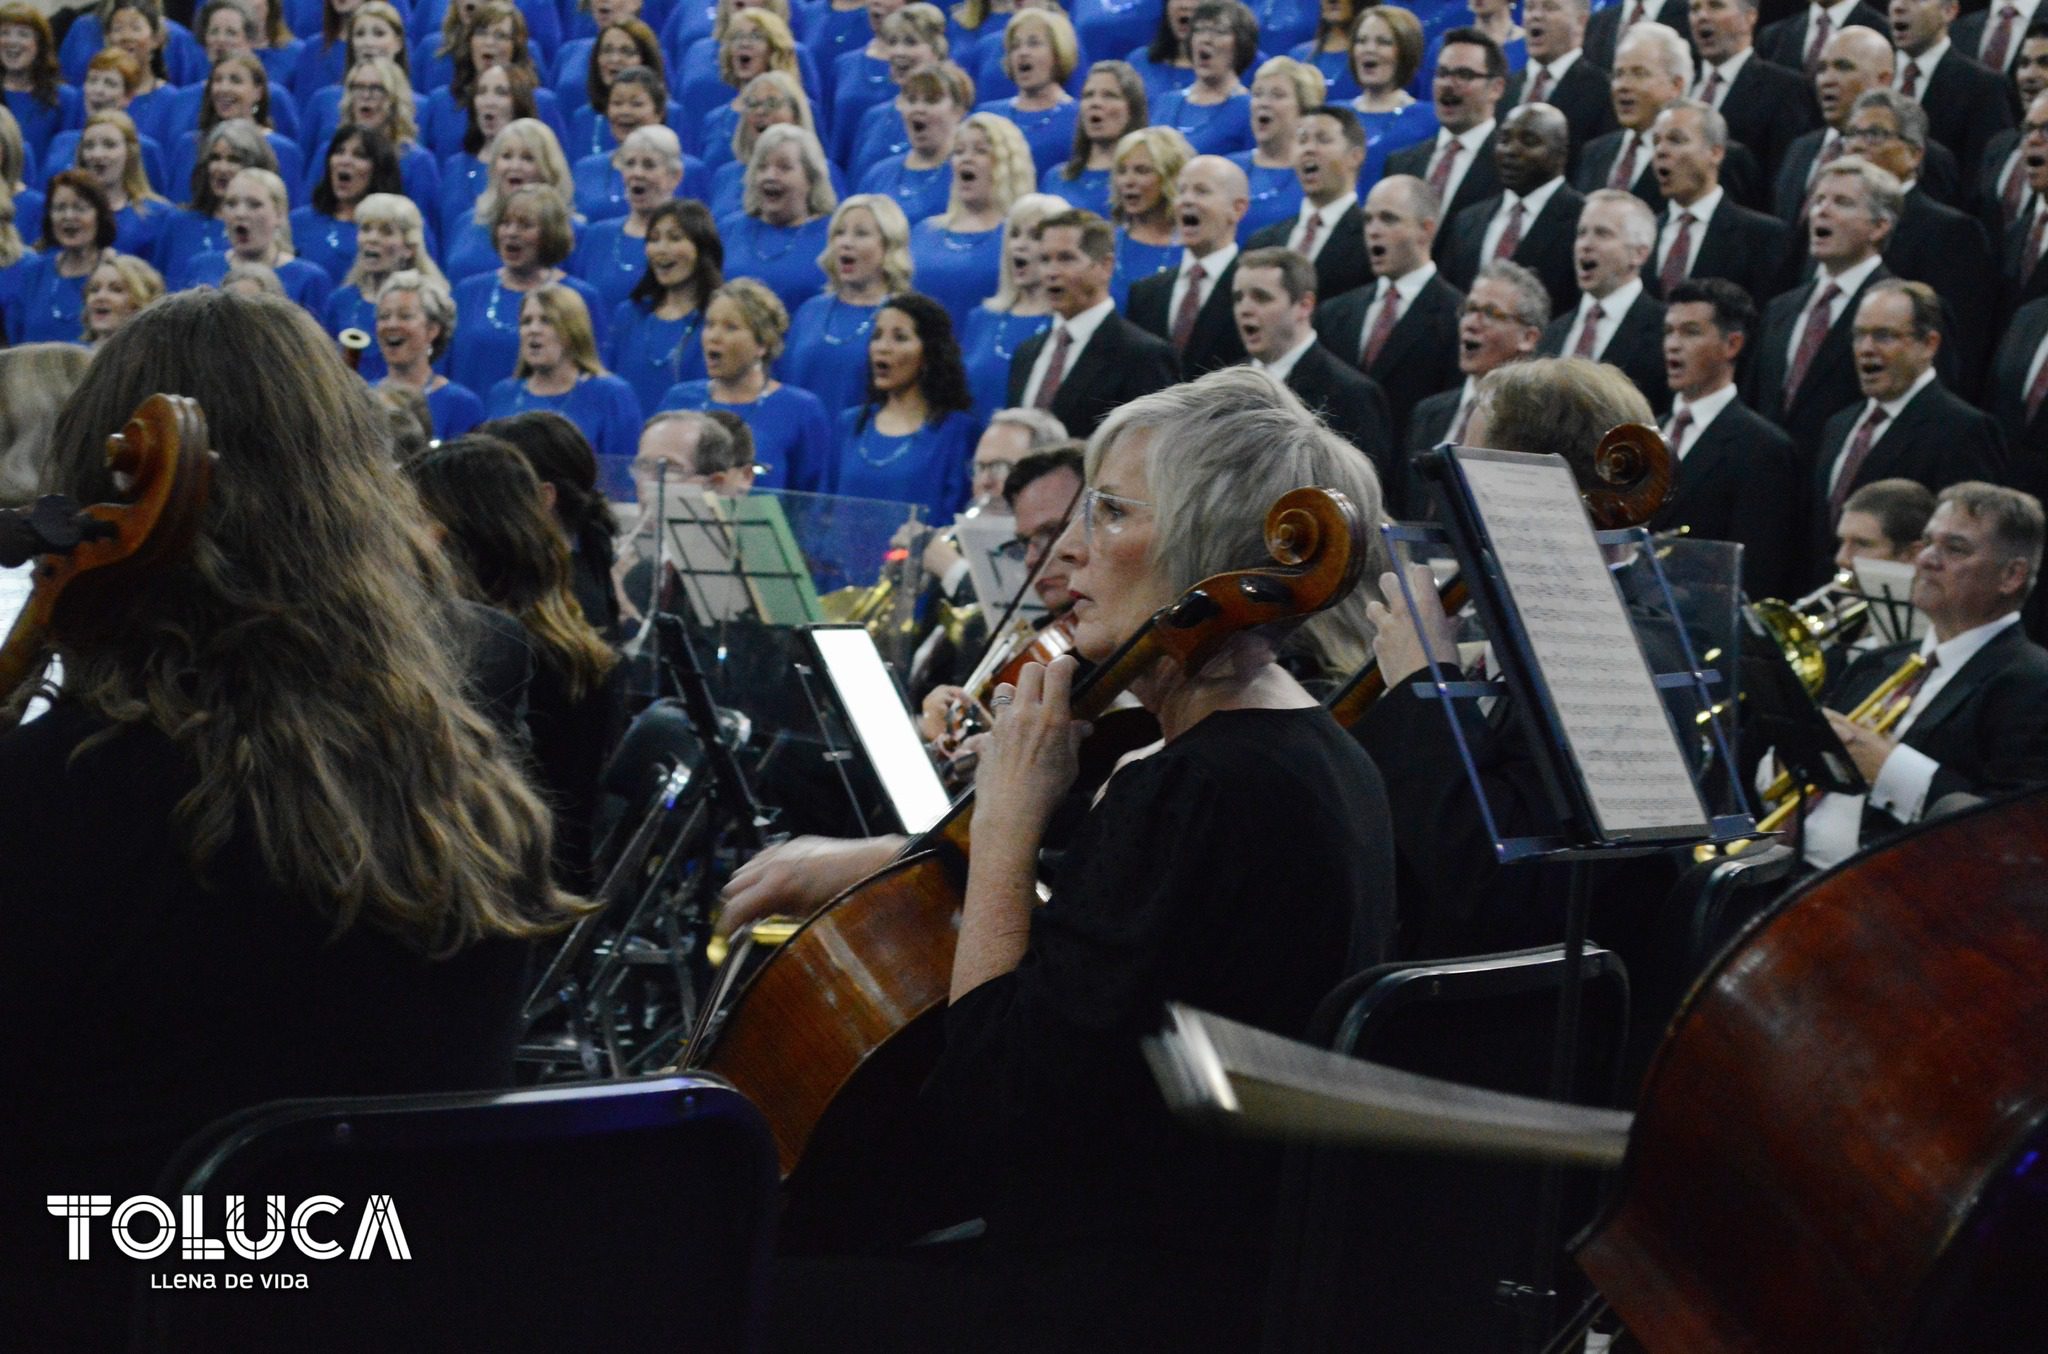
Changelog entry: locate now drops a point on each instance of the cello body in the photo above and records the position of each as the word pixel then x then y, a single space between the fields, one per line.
pixel 1841 1141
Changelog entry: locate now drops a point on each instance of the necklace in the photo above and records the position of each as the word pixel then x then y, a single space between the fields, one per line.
pixel 901 450
pixel 789 235
pixel 1005 348
pixel 966 242
pixel 860 329
pixel 690 323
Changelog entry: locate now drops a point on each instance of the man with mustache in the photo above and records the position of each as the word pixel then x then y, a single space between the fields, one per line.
pixel 1471 79
pixel 1532 218
pixel 1190 306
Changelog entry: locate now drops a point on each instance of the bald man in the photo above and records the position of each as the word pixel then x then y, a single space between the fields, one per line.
pixel 1530 221
pixel 1190 307
pixel 1852 61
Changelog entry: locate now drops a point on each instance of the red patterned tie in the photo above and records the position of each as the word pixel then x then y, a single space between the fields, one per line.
pixel 2038 391
pixel 1382 327
pixel 1054 368
pixel 1190 307
pixel 1307 247
pixel 1711 92
pixel 1624 175
pixel 1540 86
pixel 1590 331
pixel 1679 258
pixel 1440 172
pixel 1822 27
pixel 1859 452
pixel 1910 86
pixel 1510 238
pixel 1998 47
pixel 1675 437
pixel 1810 340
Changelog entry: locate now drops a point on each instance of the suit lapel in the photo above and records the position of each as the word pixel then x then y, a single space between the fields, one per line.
pixel 1965 683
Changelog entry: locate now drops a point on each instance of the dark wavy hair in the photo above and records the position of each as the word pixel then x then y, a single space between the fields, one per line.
pixel 384 173
pixel 87 187
pixel 209 119
pixel 650 56
pixel 942 377
pixel 562 457
pixel 695 219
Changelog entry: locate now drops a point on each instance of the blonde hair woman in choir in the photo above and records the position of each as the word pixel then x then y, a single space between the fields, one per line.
pixel 110 150
pixel 119 287
pixel 1142 189
pixel 1214 112
pixel 612 255
pixel 769 100
pixel 530 230
pixel 525 153
pixel 959 254
pixel 1016 314
pixel 390 236
pixel 1040 55
pixel 377 94
pixel 756 40
pixel 784 217
pixel 559 370
pixel 415 322
pixel 1282 91
pixel 866 259
pixel 259 231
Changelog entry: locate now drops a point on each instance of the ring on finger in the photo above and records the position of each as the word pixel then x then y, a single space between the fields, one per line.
pixel 1000 701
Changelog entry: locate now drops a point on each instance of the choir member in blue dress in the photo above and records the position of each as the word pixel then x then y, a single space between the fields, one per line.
pixel 972 26
pixel 756 41
pixel 1142 188
pixel 612 255
pixel 502 96
pixel 1214 113
pixel 1386 54
pixel 365 28
pixel 494 35
pixel 959 255
pixel 257 211
pixel 1017 313
pixel 33 86
pixel 118 287
pixel 533 237
pixel 378 97
pixel 524 154
pixel 559 370
pixel 1329 51
pixel 867 257
pixel 912 439
pixel 1113 25
pixel 390 238
pixel 625 45
pixel 1113 103
pixel 196 227
pixel 881 134
pixel 652 343
pixel 137 28
pixel 830 31
pixel 1496 19
pixel 237 87
pixel 635 102
pixel 45 291
pixel 785 216
pixel 744 329
pixel 108 82
pixel 1283 88
pixel 358 163
pixel 1040 56
pixel 415 320
pixel 862 109
pixel 931 104
pixel 771 100
pixel 111 152
pixel 1165 64
pixel 276 47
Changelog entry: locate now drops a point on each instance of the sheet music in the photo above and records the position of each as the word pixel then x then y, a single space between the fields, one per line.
pixel 1614 721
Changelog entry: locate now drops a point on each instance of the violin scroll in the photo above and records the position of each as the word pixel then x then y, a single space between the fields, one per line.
pixel 1634 472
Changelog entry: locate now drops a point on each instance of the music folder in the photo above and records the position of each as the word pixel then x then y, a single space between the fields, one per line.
pixel 1785 717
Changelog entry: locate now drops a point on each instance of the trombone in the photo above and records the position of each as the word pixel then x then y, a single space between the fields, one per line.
pixel 1878 712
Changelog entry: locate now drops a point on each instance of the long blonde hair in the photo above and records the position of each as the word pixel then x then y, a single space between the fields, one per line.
pixel 303 654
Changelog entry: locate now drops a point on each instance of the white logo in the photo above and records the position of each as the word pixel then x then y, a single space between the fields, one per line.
pixel 146 1240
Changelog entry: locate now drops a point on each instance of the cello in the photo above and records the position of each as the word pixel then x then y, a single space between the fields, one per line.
pixel 852 990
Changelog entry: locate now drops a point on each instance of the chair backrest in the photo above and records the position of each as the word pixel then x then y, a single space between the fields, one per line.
pixel 1384 1250
pixel 613 1215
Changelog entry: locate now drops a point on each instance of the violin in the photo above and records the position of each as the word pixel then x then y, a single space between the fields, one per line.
pixel 89 557
pixel 1024 642
pixel 852 989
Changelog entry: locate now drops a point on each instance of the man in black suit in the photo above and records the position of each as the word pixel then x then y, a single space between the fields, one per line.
pixel 1470 80
pixel 1402 329
pixel 1767 106
pixel 1328 230
pixel 2024 279
pixel 1702 233
pixel 1274 297
pixel 1738 475
pixel 1092 360
pixel 1976 722
pixel 1797 41
pixel 1803 371
pixel 1992 36
pixel 1966 104
pixel 1559 74
pixel 1501 322
pixel 1605 30
pixel 1655 68
pixel 1190 306
pixel 1856 60
pixel 1617 321
pixel 2016 394
pixel 1534 216
pixel 2002 178
pixel 1907 425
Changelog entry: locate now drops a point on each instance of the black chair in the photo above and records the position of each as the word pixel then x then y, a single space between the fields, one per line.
pixel 1405 1252
pixel 617 1216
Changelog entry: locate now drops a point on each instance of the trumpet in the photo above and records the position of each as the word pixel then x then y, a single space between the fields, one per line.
pixel 1878 712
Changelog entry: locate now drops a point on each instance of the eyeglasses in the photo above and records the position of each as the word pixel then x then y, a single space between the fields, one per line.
pixel 1020 549
pixel 999 469
pixel 1494 313
pixel 2034 129
pixel 1106 513
pixel 1871 134
pixel 1463 75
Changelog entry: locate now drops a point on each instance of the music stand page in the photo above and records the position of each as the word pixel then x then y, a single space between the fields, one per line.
pixel 880 722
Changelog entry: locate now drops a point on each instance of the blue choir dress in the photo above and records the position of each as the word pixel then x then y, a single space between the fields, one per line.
pixel 1136 261
pixel 919 192
pixel 929 466
pixel 650 353
pixel 610 260
pixel 321 240
pixel 988 341
pixel 304 281
pixel 1048 131
pixel 958 269
pixel 782 258
pixel 486 344
pixel 1386 133
pixel 793 441
pixel 1212 129
pixel 603 408
pixel 455 410
pixel 1275 195
pixel 41 305
pixel 826 352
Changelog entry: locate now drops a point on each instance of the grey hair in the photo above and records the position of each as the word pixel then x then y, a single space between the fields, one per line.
pixel 1713 127
pixel 1887 195
pixel 1045 430
pixel 1532 298
pixel 1677 55
pixel 657 137
pixel 1639 225
pixel 2014 516
pixel 821 199
pixel 1218 452
pixel 437 303
pixel 1909 115
pixel 716 447
pixel 263 277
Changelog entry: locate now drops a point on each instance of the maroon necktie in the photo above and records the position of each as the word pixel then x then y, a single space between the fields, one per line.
pixel 1440 172
pixel 1910 87
pixel 1190 307
pixel 2032 258
pixel 1679 257
pixel 1674 438
pixel 1815 334
pixel 2037 392
pixel 1510 238
pixel 1859 452
pixel 1998 47
pixel 1382 327
pixel 1822 27
pixel 1540 86
pixel 1624 175
pixel 1307 247
pixel 1055 368
pixel 1712 88
pixel 1590 331
pixel 1635 16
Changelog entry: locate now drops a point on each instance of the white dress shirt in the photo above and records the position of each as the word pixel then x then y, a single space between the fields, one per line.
pixel 1613 306
pixel 1330 215
pixel 1892 409
pixel 1557 71
pixel 1282 365
pixel 1829 137
pixel 1926 61
pixel 1409 285
pixel 1082 327
pixel 1704 411
pixel 2026 10
pixel 2034 367
pixel 1532 207
pixel 1702 213
pixel 1470 143
pixel 1213 266
pixel 1847 282
pixel 1728 69
pixel 1834 828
